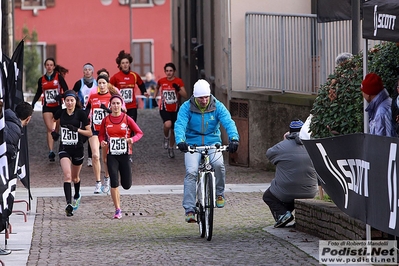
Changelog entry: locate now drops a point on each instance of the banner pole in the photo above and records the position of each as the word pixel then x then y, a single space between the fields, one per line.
pixel 365 114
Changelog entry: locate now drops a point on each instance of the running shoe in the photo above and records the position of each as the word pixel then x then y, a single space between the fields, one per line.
pixel 76 202
pixel 165 143
pixel 89 163
pixel 51 156
pixel 171 153
pixel 118 214
pixel 105 187
pixel 220 201
pixel 284 219
pixel 190 217
pixel 97 189
pixel 69 210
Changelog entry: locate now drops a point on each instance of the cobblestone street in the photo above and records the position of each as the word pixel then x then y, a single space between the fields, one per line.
pixel 153 230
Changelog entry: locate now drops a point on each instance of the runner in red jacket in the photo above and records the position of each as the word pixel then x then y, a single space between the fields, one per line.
pixel 125 80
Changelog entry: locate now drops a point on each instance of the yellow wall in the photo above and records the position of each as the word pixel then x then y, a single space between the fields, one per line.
pixel 238 10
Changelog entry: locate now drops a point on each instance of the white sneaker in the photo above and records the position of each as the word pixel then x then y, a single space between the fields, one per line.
pixel 105 187
pixel 89 162
pixel 165 143
pixel 97 189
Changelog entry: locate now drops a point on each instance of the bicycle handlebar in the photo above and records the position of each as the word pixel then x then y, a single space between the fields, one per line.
pixel 201 149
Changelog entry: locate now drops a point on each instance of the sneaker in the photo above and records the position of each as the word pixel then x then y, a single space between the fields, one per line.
pixel 105 187
pixel 118 214
pixel 51 156
pixel 97 189
pixel 76 202
pixel 165 143
pixel 69 210
pixel 220 202
pixel 171 153
pixel 89 163
pixel 284 219
pixel 190 217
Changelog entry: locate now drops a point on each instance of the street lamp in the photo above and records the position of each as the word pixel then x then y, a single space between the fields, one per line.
pixel 108 2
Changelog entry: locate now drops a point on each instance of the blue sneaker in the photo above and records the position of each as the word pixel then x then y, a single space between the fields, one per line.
pixel 284 219
pixel 190 217
pixel 220 201
pixel 76 202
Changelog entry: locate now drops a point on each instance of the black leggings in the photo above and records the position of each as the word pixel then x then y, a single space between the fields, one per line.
pixel 276 206
pixel 121 164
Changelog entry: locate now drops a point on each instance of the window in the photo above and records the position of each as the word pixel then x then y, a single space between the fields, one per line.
pixel 34 4
pixel 142 56
pixel 137 3
pixel 43 51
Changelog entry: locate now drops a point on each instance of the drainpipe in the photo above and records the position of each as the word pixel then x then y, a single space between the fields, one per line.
pixel 230 69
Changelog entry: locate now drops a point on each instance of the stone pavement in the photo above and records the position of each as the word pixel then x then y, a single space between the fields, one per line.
pixel 153 230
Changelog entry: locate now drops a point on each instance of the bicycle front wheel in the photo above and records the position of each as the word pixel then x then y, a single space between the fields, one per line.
pixel 209 206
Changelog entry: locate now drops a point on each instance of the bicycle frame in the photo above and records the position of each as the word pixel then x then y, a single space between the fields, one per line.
pixel 206 188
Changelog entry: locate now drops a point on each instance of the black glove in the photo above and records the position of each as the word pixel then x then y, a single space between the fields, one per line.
pixel 72 128
pixel 177 87
pixel 102 106
pixel 233 146
pixel 55 135
pixel 58 97
pixel 183 146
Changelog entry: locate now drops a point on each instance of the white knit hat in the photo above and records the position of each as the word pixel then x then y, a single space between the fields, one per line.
pixel 202 88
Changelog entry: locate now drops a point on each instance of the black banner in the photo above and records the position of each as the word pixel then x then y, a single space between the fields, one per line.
pixel 359 173
pixel 380 20
pixel 12 95
pixel 16 95
pixel 333 10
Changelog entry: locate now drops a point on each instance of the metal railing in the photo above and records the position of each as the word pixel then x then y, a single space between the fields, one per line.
pixel 292 53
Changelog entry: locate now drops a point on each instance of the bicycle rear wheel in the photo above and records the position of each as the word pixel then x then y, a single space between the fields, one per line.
pixel 209 206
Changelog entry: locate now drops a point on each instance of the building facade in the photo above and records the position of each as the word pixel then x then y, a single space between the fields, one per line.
pixel 208 41
pixel 75 32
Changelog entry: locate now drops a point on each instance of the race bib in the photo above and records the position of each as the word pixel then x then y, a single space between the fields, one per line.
pixel 169 97
pixel 50 95
pixel 85 98
pixel 68 137
pixel 127 95
pixel 98 115
pixel 117 146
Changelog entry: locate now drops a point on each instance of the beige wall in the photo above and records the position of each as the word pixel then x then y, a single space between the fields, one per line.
pixel 238 10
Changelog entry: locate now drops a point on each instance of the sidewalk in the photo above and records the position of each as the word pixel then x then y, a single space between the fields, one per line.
pixel 19 241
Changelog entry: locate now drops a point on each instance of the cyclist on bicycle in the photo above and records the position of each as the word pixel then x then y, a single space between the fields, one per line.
pixel 198 123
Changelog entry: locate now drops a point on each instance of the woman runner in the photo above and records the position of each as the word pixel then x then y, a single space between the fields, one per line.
pixel 74 127
pixel 97 109
pixel 114 136
pixel 50 85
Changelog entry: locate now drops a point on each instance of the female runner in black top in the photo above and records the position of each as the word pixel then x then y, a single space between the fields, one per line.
pixel 74 129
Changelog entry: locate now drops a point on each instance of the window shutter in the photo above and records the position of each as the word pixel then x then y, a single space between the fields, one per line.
pixel 17 3
pixel 51 51
pixel 50 3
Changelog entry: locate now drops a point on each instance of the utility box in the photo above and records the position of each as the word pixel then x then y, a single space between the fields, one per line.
pixel 239 111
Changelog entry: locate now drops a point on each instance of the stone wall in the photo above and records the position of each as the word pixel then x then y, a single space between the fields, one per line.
pixel 324 220
pixel 270 114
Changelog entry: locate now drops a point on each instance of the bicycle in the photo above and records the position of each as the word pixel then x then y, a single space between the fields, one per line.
pixel 206 188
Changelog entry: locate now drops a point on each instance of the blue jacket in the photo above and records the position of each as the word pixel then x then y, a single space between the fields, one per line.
pixel 203 128
pixel 380 115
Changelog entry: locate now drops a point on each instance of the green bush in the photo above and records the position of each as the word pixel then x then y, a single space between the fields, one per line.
pixel 32 60
pixel 338 107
